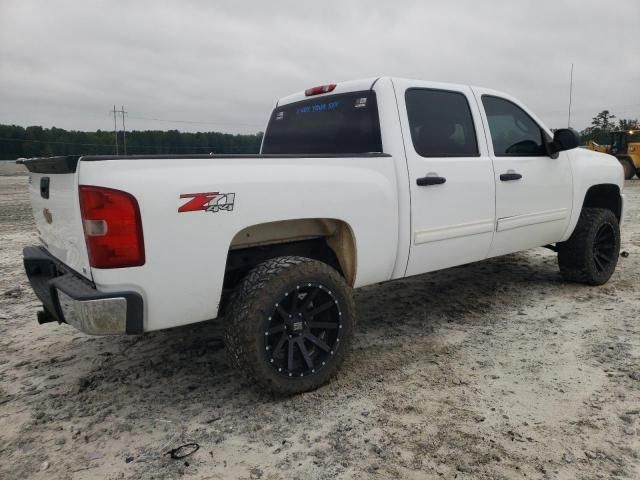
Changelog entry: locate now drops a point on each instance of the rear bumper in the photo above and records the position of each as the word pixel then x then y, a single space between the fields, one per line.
pixel 70 298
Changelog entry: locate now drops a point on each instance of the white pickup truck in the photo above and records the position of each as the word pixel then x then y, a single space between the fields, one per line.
pixel 357 183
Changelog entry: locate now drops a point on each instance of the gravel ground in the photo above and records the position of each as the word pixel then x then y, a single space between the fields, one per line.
pixel 490 370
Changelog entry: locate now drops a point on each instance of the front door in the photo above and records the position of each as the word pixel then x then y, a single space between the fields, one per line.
pixel 450 175
pixel 534 190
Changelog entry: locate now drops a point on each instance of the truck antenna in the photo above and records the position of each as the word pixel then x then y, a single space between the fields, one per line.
pixel 570 96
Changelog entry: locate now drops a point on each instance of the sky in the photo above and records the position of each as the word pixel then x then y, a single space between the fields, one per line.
pixel 221 65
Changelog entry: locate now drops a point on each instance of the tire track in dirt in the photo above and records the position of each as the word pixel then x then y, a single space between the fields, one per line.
pixel 490 370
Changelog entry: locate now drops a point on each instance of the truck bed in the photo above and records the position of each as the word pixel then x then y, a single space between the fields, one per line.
pixel 186 250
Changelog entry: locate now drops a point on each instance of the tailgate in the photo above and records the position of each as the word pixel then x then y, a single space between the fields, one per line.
pixel 53 192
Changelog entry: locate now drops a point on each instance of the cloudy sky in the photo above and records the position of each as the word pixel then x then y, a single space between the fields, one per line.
pixel 218 65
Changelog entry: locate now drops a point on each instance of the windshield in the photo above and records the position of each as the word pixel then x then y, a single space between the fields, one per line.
pixel 334 124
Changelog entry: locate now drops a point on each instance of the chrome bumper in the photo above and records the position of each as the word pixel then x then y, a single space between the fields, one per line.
pixel 67 297
pixel 106 316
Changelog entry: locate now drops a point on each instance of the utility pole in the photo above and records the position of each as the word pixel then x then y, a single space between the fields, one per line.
pixel 115 127
pixel 124 132
pixel 570 96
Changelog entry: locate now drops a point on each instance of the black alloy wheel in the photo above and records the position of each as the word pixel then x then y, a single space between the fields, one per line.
pixel 303 330
pixel 604 246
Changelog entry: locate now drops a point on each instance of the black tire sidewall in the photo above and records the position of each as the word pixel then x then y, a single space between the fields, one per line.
pixel 575 256
pixel 629 169
pixel 254 319
pixel 606 218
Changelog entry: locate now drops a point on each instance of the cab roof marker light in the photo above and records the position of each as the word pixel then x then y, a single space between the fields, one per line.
pixel 309 92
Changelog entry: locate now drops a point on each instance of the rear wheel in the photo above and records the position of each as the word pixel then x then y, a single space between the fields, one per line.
pixel 290 324
pixel 629 169
pixel 590 255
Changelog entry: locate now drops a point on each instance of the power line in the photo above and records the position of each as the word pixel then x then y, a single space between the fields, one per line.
pixel 195 122
pixel 629 107
pixel 105 145
pixel 54 142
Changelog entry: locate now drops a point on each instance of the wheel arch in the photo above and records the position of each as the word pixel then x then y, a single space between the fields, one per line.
pixel 626 157
pixel 600 195
pixel 326 239
pixel 605 195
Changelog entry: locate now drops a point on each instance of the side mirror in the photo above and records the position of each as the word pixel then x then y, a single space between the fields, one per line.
pixel 564 139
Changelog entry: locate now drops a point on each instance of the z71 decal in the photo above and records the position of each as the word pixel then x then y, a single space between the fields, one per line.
pixel 207 202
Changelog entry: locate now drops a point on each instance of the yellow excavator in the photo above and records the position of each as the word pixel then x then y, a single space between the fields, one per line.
pixel 625 146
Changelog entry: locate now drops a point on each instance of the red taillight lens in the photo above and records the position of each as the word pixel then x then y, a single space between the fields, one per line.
pixel 318 90
pixel 112 227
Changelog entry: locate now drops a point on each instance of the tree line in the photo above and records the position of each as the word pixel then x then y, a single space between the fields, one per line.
pixel 603 124
pixel 20 142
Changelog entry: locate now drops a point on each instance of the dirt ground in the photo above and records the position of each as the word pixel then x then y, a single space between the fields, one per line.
pixel 491 370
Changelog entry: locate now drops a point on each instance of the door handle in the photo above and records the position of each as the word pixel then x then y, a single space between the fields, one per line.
pixel 430 179
pixel 510 175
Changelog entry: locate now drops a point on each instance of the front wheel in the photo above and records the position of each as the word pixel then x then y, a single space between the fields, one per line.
pixel 629 169
pixel 590 255
pixel 290 324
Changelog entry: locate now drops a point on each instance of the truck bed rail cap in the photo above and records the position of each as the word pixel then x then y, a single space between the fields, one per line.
pixel 97 158
pixel 59 164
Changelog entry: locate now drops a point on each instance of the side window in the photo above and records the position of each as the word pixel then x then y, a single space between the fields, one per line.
pixel 513 132
pixel 441 124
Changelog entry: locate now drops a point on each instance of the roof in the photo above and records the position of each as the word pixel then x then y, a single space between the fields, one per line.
pixel 367 83
pixel 341 87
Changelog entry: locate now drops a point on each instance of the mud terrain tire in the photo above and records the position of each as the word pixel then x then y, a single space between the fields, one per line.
pixel 627 166
pixel 261 336
pixel 591 253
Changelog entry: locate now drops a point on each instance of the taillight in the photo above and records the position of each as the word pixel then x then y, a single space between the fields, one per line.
pixel 112 227
pixel 321 89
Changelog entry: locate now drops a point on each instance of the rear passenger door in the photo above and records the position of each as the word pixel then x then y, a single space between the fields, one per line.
pixel 533 189
pixel 450 175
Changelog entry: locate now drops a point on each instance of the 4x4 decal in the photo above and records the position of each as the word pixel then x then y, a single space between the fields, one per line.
pixel 207 202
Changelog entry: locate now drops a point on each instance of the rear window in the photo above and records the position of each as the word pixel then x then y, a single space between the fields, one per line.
pixel 334 124
pixel 441 123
